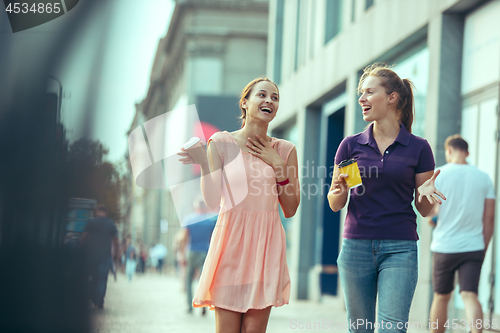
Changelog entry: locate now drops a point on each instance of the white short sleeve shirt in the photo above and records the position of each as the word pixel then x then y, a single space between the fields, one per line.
pixel 460 221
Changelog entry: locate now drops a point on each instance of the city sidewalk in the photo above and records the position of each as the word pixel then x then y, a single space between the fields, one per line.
pixel 153 303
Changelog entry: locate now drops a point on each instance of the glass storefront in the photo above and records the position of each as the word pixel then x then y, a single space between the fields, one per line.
pixel 480 89
pixel 414 65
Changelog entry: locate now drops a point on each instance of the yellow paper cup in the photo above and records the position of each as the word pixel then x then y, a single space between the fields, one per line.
pixel 351 168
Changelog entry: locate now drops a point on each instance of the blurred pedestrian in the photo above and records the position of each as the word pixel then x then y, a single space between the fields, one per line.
pixel 462 234
pixel 245 272
pixel 131 259
pixel 122 254
pixel 100 232
pixel 379 247
pixel 143 256
pixel 159 252
pixel 112 266
pixel 180 257
pixel 198 231
pixel 153 259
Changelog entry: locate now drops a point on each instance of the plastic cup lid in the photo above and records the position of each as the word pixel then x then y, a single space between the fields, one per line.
pixel 345 163
pixel 194 140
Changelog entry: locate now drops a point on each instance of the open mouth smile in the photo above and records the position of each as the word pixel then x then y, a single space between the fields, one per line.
pixel 266 109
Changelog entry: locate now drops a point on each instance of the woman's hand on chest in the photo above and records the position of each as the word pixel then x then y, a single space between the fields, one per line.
pixel 262 149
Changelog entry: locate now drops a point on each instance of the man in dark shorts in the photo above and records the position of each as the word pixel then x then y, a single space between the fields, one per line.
pixel 463 231
pixel 99 233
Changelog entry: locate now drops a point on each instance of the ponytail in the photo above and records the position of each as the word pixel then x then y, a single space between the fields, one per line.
pixel 406 105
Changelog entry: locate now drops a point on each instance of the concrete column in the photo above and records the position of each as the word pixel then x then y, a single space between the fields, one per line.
pixel 444 102
pixel 443 113
pixel 304 223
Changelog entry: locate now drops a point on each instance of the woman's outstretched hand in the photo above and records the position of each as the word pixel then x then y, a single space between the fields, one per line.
pixel 262 149
pixel 195 155
pixel 428 190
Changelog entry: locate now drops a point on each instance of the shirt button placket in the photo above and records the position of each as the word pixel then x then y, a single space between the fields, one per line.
pixel 386 152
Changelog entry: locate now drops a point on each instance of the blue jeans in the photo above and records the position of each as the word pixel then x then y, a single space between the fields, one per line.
pixel 386 267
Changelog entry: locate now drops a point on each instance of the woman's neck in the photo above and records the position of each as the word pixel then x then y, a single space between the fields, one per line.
pixel 250 130
pixel 386 130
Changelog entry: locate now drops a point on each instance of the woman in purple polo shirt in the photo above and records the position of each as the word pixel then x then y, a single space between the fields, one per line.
pixel 379 249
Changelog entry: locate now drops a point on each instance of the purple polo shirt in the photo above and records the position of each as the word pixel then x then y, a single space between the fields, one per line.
pixel 381 208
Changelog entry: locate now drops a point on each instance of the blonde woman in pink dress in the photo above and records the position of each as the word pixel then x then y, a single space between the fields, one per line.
pixel 245 272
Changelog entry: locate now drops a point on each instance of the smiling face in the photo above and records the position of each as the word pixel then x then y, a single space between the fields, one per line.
pixel 375 101
pixel 262 102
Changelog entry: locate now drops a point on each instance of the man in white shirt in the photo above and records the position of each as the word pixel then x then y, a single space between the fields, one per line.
pixel 462 234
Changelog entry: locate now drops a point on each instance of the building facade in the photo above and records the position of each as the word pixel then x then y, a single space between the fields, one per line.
pixel 211 51
pixel 317 50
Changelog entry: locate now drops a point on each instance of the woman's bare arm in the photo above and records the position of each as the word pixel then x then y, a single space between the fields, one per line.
pixel 211 178
pixel 425 189
pixel 289 195
pixel 211 172
pixel 337 196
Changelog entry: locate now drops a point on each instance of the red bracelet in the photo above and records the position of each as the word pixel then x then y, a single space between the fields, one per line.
pixel 283 182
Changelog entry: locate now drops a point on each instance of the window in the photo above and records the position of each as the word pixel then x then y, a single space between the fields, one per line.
pixel 278 41
pixel 414 65
pixel 297 37
pixel 312 36
pixel 333 22
pixel 353 10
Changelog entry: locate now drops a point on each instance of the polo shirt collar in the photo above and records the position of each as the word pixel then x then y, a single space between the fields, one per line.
pixel 403 136
pixel 366 137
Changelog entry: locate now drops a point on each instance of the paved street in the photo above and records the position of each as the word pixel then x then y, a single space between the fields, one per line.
pixel 153 303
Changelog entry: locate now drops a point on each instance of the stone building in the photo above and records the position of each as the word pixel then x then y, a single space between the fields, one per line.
pixel 317 50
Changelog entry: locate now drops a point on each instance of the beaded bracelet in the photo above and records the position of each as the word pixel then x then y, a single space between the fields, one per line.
pixel 283 182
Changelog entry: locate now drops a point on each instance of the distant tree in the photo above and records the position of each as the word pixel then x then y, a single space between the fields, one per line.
pixel 89 176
